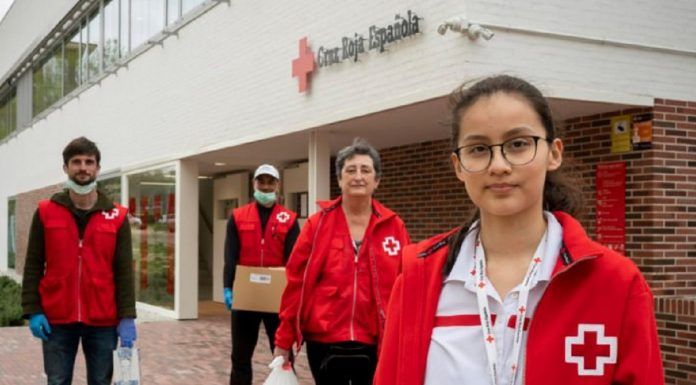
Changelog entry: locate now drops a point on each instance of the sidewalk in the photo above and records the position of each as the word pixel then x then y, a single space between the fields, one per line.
pixel 172 352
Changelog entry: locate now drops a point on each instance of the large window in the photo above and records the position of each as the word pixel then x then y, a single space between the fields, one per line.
pixel 124 37
pixel 48 80
pixel 11 233
pixel 112 188
pixel 93 45
pixel 188 5
pixel 8 113
pixel 71 62
pixel 147 19
pixel 111 45
pixel 120 25
pixel 151 203
pixel 172 11
pixel 84 51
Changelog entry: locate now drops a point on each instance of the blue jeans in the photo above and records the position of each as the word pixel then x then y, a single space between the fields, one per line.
pixel 98 344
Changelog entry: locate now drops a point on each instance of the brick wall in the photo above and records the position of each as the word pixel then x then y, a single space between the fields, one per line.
pixel 588 143
pixel 419 184
pixel 26 206
pixel 676 324
pixel 660 191
pixel 674 212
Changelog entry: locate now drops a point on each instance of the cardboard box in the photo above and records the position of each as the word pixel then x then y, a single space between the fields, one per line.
pixel 258 288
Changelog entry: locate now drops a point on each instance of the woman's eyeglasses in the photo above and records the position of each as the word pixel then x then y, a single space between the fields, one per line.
pixel 517 151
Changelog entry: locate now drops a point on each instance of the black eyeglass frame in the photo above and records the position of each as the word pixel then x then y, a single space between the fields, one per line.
pixel 502 152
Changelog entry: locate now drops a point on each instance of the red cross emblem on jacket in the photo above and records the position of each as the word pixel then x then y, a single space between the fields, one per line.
pixel 283 216
pixel 590 350
pixel 110 215
pixel 391 246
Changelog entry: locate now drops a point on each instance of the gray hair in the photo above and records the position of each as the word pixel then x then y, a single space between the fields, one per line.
pixel 360 146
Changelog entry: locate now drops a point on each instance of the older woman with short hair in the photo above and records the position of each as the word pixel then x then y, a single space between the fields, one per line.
pixel 340 275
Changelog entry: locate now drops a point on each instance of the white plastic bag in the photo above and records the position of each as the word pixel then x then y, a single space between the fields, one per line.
pixel 280 376
pixel 126 366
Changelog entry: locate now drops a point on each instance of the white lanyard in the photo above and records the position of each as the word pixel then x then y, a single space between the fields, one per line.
pixel 485 313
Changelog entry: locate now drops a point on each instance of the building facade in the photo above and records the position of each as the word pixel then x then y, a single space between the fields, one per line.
pixel 186 97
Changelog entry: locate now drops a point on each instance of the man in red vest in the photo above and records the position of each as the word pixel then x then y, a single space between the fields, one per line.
pixel 78 276
pixel 261 233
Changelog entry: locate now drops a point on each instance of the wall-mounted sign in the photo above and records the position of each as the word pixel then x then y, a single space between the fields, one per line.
pixel 303 65
pixel 641 133
pixel 611 205
pixel 621 134
pixel 350 48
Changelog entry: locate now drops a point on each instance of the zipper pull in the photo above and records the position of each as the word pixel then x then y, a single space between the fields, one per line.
pixel 80 243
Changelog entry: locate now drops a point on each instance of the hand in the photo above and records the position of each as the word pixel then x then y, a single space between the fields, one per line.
pixel 228 298
pixel 126 331
pixel 38 324
pixel 280 352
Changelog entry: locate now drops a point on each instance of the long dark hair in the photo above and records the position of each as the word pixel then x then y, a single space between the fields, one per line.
pixel 559 193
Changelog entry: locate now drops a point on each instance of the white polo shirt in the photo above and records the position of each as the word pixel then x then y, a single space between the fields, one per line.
pixel 457 354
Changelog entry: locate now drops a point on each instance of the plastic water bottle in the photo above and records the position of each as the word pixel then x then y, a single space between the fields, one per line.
pixel 125 365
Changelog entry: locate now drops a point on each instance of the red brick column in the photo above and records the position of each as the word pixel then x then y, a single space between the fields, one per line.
pixel 674 227
pixel 26 206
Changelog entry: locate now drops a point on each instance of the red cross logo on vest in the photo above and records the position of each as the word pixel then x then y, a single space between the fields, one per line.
pixel 303 65
pixel 590 350
pixel 283 216
pixel 110 215
pixel 391 246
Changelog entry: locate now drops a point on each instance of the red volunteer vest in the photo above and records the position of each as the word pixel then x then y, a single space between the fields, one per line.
pixel 78 283
pixel 265 249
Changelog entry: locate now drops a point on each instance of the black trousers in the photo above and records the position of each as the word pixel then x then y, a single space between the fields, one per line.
pixel 342 363
pixel 245 334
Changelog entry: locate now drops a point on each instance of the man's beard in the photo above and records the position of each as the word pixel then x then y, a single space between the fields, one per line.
pixel 85 183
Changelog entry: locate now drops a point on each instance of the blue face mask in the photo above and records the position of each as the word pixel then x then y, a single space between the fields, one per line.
pixel 80 189
pixel 265 199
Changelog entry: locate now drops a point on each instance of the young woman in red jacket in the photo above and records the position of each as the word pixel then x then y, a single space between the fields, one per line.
pixel 519 294
pixel 340 275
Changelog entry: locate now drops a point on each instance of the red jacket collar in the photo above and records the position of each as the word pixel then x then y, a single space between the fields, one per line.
pixel 577 246
pixel 575 238
pixel 381 211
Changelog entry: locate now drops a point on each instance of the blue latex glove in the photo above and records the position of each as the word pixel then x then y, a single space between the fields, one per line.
pixel 228 298
pixel 38 324
pixel 126 331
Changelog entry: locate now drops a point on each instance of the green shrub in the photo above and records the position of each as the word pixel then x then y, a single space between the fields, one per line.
pixel 10 302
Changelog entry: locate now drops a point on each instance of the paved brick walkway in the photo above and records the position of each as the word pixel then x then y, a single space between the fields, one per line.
pixel 172 352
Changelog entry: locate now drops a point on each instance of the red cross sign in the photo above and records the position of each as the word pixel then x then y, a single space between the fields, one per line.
pixel 110 215
pixel 391 246
pixel 590 350
pixel 283 216
pixel 303 65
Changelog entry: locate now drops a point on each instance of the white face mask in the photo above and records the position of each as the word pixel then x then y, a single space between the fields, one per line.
pixel 79 189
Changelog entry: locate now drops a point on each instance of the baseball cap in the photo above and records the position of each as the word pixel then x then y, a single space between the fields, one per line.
pixel 267 169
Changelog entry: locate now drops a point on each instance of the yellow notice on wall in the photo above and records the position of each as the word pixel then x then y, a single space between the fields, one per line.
pixel 621 134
